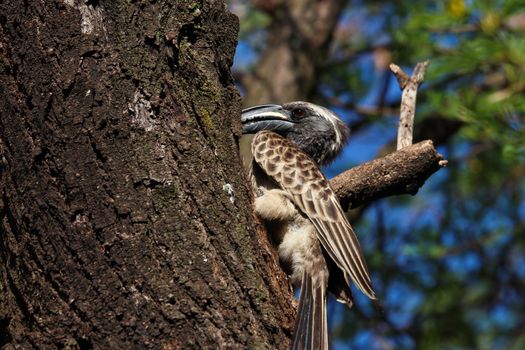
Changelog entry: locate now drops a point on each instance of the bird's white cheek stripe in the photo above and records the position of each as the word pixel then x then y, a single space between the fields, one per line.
pixel 325 113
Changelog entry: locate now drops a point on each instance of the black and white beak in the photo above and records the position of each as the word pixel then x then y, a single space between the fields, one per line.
pixel 266 117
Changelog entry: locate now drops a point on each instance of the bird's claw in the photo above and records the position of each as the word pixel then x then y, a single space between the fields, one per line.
pixel 260 191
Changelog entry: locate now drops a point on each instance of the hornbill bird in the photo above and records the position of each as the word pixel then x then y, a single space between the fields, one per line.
pixel 316 245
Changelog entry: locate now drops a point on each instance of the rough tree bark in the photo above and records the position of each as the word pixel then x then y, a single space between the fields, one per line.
pixel 125 219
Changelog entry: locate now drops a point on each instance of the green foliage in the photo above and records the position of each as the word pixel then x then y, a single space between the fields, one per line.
pixel 482 62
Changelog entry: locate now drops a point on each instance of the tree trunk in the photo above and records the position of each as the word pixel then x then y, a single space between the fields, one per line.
pixel 298 40
pixel 125 217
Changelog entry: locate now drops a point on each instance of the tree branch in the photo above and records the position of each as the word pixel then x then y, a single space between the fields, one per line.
pixel 401 172
pixel 409 86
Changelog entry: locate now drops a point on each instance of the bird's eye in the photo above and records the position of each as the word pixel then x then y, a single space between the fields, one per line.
pixel 298 113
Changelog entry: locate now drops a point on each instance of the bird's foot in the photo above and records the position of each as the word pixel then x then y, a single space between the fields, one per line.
pixel 261 191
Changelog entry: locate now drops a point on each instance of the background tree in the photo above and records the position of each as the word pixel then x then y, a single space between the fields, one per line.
pixel 448 263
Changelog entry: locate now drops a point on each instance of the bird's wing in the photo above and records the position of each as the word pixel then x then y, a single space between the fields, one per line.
pixel 310 191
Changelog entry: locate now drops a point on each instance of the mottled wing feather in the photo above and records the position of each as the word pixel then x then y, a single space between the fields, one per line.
pixel 308 188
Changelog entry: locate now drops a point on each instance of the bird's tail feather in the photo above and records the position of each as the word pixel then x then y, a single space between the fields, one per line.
pixel 311 329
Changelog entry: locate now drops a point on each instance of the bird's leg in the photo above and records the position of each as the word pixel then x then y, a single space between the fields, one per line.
pixel 274 205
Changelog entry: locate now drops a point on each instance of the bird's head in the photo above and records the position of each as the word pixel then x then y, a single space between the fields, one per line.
pixel 314 129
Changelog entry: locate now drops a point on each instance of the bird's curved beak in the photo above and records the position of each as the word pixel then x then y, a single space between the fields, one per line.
pixel 265 117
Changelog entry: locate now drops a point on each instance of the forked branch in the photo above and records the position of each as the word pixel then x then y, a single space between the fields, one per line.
pixel 401 172
pixel 409 87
